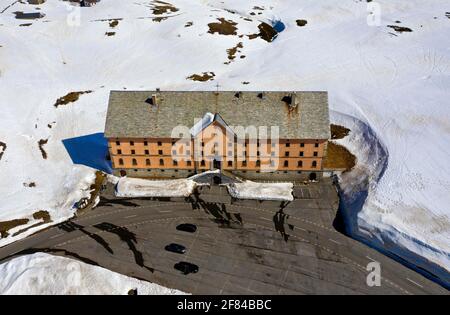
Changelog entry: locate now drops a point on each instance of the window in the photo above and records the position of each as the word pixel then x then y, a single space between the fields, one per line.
pixel 272 163
pixel 159 143
pixel 301 153
pixel 299 164
pixel 147 162
pixel 316 145
pixel 314 164
pixel 272 153
pixel 257 153
pixel 145 143
pixel 133 151
pixel 119 151
pixel 174 152
pixel 173 142
pixel 120 161
pixel 230 144
pixel 286 163
pixel 188 163
pixel 203 144
pixel 244 163
pixel 230 153
pixel 302 145
pixel 134 162
pixel 315 153
pixel 202 163
pixel 131 142
pixel 147 152
pixel 117 142
pixel 161 162
pixel 273 145
pixel 288 145
pixel 258 163
pixel 286 154
pixel 160 152
pixel 230 163
pixel 188 152
pixel 175 163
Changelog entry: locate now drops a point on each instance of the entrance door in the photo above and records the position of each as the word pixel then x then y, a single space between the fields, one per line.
pixel 217 164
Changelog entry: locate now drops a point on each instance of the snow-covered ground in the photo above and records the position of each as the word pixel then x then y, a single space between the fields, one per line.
pixel 136 187
pixel 261 191
pixel 47 274
pixel 391 86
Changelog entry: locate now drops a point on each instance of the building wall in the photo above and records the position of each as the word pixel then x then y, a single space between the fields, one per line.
pixel 138 155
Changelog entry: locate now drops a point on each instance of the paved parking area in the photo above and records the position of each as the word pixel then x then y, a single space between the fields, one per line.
pixel 241 246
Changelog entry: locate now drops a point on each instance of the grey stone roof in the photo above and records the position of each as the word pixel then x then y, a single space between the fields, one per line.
pixel 131 114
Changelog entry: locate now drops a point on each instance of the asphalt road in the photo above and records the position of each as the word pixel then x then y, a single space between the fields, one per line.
pixel 241 247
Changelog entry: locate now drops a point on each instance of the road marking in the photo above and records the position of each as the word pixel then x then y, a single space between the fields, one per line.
pixel 262 218
pixel 131 216
pixel 164 211
pixel 414 283
pixel 55 236
pixel 371 259
pixel 335 241
pixel 299 228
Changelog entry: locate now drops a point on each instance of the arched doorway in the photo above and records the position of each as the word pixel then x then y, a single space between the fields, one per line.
pixel 123 173
pixel 312 176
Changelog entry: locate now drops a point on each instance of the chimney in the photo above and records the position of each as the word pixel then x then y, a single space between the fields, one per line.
pixel 293 99
pixel 154 100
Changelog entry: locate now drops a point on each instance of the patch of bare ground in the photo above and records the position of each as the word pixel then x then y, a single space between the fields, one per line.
pixel 70 98
pixel 30 184
pixel 26 24
pixel 338 158
pixel 160 7
pixel 301 22
pixel 266 32
pixel 28 15
pixel 41 144
pixel 189 24
pixel 447 14
pixel 42 215
pixel 338 132
pixel 5 226
pixel 245 82
pixel 85 203
pixel 232 52
pixel 36 2
pixel 110 33
pixel 205 76
pixel 400 29
pixel 113 23
pixel 2 149
pixel 224 27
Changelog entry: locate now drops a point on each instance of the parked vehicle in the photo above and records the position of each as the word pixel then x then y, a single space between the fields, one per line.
pixel 176 248
pixel 187 227
pixel 186 267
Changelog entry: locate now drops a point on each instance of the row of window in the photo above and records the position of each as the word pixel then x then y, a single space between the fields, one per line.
pixel 229 163
pixel 230 153
pixel 230 144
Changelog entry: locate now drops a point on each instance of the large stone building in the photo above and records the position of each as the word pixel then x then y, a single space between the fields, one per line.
pixel 254 135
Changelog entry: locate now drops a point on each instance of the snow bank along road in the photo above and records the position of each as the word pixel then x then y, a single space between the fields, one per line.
pixel 242 247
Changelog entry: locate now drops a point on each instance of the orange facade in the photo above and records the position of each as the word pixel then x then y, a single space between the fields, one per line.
pixel 212 148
